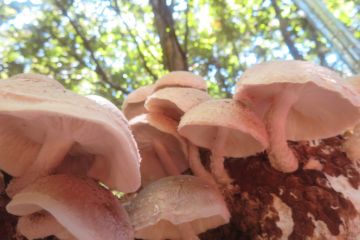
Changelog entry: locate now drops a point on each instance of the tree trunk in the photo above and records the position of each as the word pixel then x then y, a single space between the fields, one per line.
pixel 173 55
pixel 346 45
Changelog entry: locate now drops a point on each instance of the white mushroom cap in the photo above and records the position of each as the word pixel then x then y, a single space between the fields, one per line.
pixel 325 107
pixel 134 103
pixel 181 79
pixel 80 205
pixel 247 134
pixel 32 110
pixel 175 101
pixel 158 208
pixel 40 225
pixel 153 127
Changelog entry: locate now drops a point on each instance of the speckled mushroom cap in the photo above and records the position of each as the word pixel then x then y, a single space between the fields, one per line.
pixel 171 201
pixel 354 81
pixel 150 127
pixel 41 225
pixel 80 205
pixel 326 105
pixel 134 103
pixel 31 106
pixel 181 79
pixel 200 125
pixel 175 101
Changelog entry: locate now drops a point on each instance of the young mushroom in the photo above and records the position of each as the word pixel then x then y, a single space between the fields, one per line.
pixel 177 207
pixel 175 101
pixel 162 150
pixel 298 101
pixel 227 128
pixel 80 205
pixel 42 123
pixel 180 79
pixel 134 102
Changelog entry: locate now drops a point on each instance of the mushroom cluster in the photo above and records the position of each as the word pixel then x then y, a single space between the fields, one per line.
pixel 273 162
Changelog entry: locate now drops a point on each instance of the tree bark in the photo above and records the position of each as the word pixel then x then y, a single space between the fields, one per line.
pixel 174 56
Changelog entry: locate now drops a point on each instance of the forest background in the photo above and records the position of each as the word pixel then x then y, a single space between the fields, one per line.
pixel 111 47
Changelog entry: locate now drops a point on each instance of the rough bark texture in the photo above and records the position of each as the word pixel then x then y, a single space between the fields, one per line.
pixel 174 56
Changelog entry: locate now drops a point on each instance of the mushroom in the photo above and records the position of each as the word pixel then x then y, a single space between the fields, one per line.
pixel 134 103
pixel 80 205
pixel 298 101
pixel 162 150
pixel 181 79
pixel 2 183
pixel 175 101
pixel 177 207
pixel 351 145
pixel 40 225
pixel 42 123
pixel 226 127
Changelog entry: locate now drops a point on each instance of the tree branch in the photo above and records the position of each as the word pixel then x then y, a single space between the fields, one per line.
pixel 318 45
pixel 141 55
pixel 173 55
pixel 99 69
pixel 284 32
pixel 186 35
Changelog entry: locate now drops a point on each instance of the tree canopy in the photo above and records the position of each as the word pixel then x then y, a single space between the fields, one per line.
pixel 112 47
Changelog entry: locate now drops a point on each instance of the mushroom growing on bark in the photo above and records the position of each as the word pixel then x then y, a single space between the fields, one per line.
pixel 41 123
pixel 134 102
pixel 298 101
pixel 162 149
pixel 352 144
pixel 175 101
pixel 181 79
pixel 177 207
pixel 227 128
pixel 80 205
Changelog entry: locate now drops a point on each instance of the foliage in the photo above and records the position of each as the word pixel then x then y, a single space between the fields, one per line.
pixel 94 47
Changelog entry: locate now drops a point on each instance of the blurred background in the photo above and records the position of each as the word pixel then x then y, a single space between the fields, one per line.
pixel 111 47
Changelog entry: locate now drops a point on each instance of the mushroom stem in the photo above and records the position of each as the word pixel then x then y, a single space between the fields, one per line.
pixel 217 157
pixel 52 152
pixel 185 229
pixel 187 232
pixel 166 159
pixel 280 155
pixel 197 167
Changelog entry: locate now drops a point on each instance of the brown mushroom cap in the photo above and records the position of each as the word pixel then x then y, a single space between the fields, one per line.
pixel 35 110
pixel 174 101
pixel 151 127
pixel 158 208
pixel 80 205
pixel 325 107
pixel 247 136
pixel 181 79
pixel 134 103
